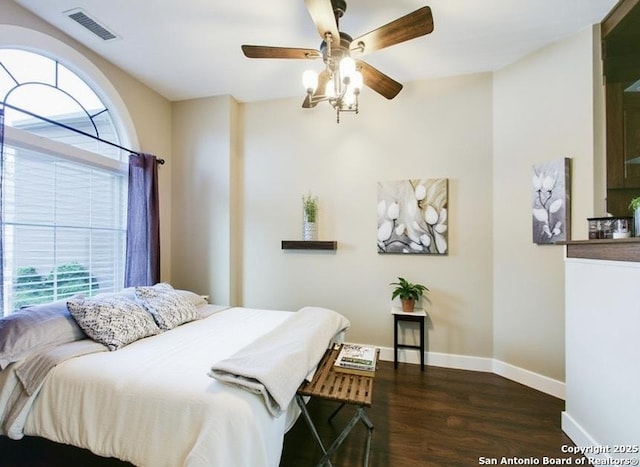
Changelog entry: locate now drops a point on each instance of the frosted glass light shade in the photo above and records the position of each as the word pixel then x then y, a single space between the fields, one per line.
pixel 310 81
pixel 330 90
pixel 349 98
pixel 347 67
pixel 356 81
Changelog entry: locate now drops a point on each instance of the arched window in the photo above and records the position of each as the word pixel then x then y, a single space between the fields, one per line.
pixel 63 185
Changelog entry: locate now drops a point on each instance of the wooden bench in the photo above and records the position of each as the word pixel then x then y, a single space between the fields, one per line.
pixel 345 388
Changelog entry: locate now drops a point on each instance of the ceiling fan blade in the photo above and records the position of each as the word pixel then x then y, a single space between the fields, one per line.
pixel 263 51
pixel 321 12
pixel 323 79
pixel 410 26
pixel 378 81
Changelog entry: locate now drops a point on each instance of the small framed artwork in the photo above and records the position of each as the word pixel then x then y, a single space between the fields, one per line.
pixel 551 201
pixel 412 216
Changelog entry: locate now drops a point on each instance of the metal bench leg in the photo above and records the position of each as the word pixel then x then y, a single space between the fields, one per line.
pixel 305 413
pixel 369 425
pixel 360 415
pixel 335 412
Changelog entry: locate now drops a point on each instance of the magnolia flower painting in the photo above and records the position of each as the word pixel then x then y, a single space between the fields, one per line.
pixel 551 201
pixel 412 216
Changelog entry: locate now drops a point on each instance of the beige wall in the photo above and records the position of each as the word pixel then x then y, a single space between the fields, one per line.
pixel 205 201
pixel 543 110
pixel 433 129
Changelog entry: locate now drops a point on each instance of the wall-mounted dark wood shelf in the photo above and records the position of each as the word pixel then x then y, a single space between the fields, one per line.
pixel 309 245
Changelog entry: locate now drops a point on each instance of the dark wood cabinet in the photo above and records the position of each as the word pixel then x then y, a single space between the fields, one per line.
pixel 621 66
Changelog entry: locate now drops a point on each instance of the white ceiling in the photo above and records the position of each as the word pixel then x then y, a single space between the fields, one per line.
pixel 191 48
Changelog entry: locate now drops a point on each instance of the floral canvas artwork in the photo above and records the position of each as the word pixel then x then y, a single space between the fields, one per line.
pixel 412 216
pixel 551 201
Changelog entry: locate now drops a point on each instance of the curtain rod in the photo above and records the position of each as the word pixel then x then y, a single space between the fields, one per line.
pixel 53 122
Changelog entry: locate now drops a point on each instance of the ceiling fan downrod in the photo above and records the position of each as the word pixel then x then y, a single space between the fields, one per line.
pixel 339 7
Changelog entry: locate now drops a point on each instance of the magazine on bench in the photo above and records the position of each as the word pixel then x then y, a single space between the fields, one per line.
pixel 357 359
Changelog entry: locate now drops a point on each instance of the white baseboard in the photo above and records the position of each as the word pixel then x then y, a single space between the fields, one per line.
pixel 575 431
pixel 462 362
pixel 459 362
pixel 581 438
pixel 542 383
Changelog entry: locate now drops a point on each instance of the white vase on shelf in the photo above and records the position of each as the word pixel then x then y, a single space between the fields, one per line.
pixel 309 231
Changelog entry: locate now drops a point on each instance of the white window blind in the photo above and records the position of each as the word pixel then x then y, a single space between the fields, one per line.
pixel 64 227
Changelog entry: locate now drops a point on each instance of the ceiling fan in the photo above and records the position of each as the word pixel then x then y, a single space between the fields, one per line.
pixel 339 83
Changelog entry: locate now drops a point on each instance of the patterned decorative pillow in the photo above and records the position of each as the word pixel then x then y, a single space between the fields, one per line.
pixel 112 321
pixel 169 307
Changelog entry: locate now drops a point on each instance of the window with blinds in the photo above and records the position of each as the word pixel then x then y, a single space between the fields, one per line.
pixel 64 228
pixel 63 191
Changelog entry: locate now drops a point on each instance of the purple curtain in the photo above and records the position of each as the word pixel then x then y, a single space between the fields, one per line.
pixel 143 222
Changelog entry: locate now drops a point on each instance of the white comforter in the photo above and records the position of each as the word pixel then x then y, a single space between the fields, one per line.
pixel 152 403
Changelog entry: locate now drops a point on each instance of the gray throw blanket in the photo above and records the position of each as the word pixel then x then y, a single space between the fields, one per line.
pixel 275 364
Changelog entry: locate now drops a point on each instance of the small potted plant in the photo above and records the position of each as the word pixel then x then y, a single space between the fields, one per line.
pixel 409 293
pixel 309 215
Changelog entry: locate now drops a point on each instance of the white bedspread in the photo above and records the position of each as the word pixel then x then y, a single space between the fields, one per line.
pixel 23 381
pixel 152 404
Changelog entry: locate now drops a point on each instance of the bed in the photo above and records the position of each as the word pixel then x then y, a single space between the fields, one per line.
pixel 174 398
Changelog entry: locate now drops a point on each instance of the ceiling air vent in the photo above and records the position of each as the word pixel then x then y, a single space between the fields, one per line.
pixel 91 24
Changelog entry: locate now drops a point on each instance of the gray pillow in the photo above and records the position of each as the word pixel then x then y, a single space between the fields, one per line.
pixel 169 307
pixel 193 297
pixel 35 328
pixel 114 321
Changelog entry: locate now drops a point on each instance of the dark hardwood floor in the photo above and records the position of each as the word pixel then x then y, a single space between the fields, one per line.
pixel 439 417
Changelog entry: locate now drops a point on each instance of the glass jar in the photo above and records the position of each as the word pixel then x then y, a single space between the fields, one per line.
pixel 622 227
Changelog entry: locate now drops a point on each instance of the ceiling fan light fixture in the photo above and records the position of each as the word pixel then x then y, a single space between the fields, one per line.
pixel 342 87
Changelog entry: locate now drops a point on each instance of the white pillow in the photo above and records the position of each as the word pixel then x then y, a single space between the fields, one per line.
pixel 169 307
pixel 112 321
